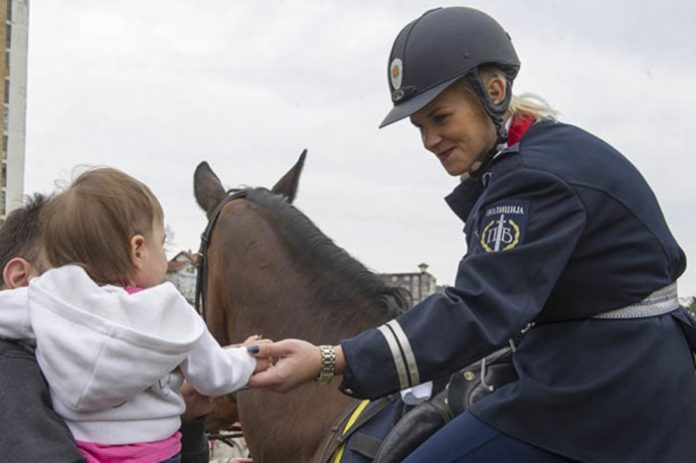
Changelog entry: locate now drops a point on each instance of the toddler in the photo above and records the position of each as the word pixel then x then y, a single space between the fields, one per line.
pixel 113 341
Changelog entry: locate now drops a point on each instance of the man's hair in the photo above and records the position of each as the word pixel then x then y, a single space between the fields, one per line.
pixel 20 234
pixel 91 223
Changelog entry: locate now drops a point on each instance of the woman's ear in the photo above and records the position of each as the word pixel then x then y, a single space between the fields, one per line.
pixel 17 273
pixel 137 243
pixel 497 88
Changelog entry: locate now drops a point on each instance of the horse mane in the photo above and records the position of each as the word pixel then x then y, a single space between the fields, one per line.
pixel 338 275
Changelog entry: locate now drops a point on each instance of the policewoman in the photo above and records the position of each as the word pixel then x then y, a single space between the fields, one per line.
pixel 566 241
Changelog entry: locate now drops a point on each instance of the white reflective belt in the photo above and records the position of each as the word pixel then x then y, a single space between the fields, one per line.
pixel 400 347
pixel 660 302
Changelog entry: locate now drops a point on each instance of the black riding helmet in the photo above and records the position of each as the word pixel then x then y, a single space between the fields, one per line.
pixel 441 46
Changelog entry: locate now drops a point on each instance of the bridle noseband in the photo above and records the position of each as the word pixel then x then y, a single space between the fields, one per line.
pixel 201 298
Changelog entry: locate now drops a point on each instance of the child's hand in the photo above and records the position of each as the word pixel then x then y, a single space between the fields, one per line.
pixel 262 363
pixel 254 339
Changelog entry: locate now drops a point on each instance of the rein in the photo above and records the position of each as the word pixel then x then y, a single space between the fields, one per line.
pixel 201 301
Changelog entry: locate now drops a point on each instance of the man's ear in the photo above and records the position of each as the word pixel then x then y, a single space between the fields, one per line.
pixel 137 242
pixel 17 273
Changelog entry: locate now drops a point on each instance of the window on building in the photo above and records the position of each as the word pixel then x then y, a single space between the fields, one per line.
pixel 9 10
pixel 7 91
pixel 4 144
pixel 8 35
pixel 5 114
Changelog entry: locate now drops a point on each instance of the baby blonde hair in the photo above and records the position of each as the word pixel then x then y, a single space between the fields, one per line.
pixel 91 223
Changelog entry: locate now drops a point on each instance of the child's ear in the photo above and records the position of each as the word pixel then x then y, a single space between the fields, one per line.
pixel 137 242
pixel 17 273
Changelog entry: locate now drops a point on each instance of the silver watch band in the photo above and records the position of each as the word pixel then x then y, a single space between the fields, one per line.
pixel 328 365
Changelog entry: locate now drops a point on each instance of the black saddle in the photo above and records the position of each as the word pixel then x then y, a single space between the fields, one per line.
pixel 389 430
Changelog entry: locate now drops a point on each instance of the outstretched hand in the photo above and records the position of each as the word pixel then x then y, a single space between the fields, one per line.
pixel 293 362
pixel 198 404
pixel 257 340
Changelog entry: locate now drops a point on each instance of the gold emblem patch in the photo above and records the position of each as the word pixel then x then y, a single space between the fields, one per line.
pixel 500 234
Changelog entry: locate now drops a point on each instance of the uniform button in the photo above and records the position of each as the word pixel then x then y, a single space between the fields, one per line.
pixel 348 391
pixel 469 375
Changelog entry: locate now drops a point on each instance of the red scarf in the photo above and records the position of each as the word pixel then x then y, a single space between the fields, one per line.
pixel 518 127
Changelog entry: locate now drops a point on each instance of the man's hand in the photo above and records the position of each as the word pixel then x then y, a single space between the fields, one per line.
pixel 197 404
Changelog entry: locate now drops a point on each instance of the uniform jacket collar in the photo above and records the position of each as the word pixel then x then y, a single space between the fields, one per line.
pixel 465 195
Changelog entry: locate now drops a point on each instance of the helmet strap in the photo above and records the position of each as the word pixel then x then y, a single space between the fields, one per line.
pixel 496 112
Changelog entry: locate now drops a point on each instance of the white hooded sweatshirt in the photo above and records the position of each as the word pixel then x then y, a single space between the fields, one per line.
pixel 114 361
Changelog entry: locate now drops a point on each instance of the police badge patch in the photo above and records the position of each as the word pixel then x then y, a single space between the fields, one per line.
pixel 504 225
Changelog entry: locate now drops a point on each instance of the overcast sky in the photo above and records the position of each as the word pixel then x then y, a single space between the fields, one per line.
pixel 154 87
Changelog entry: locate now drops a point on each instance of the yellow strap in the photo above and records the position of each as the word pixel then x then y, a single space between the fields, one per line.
pixel 351 421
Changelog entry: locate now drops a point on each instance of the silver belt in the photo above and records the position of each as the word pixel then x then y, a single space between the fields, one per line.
pixel 660 302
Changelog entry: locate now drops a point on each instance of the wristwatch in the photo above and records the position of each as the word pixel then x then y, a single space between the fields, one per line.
pixel 328 365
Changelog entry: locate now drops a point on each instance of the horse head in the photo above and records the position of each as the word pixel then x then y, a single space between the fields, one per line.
pixel 272 272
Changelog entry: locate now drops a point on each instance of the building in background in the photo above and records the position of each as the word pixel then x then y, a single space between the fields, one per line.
pixel 182 271
pixel 14 90
pixel 419 284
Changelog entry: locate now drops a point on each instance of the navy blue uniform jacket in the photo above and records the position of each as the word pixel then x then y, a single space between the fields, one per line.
pixel 561 228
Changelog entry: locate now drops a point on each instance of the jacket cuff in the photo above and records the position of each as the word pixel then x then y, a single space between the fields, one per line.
pixel 370 369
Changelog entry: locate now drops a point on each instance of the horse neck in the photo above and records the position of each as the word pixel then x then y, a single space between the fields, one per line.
pixel 290 307
pixel 258 287
pixel 266 288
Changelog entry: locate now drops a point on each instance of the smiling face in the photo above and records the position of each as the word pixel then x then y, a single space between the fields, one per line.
pixel 455 128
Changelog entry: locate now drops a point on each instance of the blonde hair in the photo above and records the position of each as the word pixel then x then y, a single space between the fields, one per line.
pixel 91 223
pixel 532 104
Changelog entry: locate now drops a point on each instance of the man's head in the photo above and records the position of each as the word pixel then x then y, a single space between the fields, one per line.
pixel 21 257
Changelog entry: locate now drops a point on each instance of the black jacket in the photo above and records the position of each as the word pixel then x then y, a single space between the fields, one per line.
pixel 29 428
pixel 560 229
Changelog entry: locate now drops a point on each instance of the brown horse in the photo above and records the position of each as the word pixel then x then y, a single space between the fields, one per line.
pixel 271 271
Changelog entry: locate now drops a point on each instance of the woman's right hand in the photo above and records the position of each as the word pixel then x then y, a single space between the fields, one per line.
pixel 293 362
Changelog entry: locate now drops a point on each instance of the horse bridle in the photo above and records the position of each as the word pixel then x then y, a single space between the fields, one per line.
pixel 201 298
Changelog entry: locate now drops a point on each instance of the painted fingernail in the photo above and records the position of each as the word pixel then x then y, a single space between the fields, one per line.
pixel 253 349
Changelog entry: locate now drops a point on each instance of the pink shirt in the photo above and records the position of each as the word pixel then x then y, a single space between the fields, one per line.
pixel 145 452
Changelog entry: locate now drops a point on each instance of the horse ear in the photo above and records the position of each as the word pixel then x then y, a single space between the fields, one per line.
pixel 287 186
pixel 207 187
